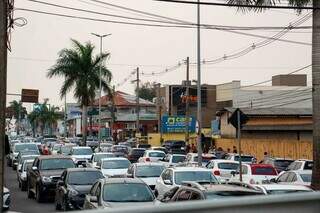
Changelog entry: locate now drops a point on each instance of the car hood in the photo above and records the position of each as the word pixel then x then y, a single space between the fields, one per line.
pixel 150 180
pixel 113 172
pixel 82 189
pixel 48 173
pixel 129 204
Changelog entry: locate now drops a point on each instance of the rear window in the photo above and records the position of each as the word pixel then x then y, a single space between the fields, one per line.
pixel 306 177
pixel 308 165
pixel 137 151
pixel 263 171
pixel 228 166
pixel 244 158
pixel 282 163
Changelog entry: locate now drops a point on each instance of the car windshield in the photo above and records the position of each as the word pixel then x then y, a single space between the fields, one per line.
pixel 65 150
pixel 228 166
pixel 263 171
pixel 56 164
pixel 149 171
pixel 127 192
pixel 244 158
pixel 139 152
pixel 282 163
pixel 87 151
pixel 197 176
pixel 178 158
pixel 98 157
pixel 306 177
pixel 308 165
pixel 230 194
pixel 30 152
pixel 56 147
pixel 157 154
pixel 25 147
pixel 115 164
pixel 27 166
pixel 84 177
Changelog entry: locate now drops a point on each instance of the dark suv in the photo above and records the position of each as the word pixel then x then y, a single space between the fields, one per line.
pixel 44 174
pixel 175 146
pixel 135 154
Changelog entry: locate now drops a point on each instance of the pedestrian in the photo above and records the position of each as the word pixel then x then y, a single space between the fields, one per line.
pixel 235 149
pixel 265 156
pixel 228 150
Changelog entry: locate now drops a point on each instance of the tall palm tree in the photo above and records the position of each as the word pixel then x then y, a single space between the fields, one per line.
pixel 315 183
pixel 18 111
pixel 80 69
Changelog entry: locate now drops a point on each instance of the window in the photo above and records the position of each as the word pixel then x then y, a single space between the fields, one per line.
pixel 306 177
pixel 195 196
pixel 165 175
pixel 291 177
pixel 308 165
pixel 130 170
pixel 93 189
pixel 184 195
pixel 297 166
pixel 263 170
pixel 84 177
pixel 170 176
pixel 228 166
pixel 244 170
pixel 292 166
pixel 283 177
pixel 210 165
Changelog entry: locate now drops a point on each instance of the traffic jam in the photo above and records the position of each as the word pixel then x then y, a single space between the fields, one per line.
pixel 110 175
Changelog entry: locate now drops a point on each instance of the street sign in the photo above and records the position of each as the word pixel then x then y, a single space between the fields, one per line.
pixel 176 124
pixel 234 119
pixel 30 96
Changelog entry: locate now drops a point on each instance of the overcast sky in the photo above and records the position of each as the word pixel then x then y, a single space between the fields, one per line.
pixel 35 46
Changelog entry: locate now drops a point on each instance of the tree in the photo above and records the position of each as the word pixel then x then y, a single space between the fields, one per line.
pixel 80 70
pixel 51 118
pixel 315 183
pixel 19 112
pixel 147 91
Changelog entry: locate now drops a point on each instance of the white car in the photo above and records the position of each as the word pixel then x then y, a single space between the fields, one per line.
pixel 174 159
pixel 152 156
pixel 147 172
pixel 81 154
pixel 299 177
pixel 22 159
pixel 222 169
pixel 115 167
pixel 192 159
pixel 96 158
pixel 301 164
pixel 22 174
pixel 175 176
pixel 244 158
pixel 270 189
pixel 104 147
pixel 6 199
pixel 255 173
pixel 20 147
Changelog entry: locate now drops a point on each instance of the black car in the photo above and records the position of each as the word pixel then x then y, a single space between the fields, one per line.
pixel 44 174
pixel 135 154
pixel 280 164
pixel 75 183
pixel 175 146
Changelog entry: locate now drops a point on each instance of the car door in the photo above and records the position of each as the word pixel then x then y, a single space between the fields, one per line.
pixel 87 202
pixel 161 187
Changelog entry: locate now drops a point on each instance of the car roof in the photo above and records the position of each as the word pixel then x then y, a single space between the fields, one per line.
pixel 113 158
pixel 81 147
pixel 284 187
pixel 28 161
pixel 103 153
pixel 82 170
pixel 224 161
pixel 303 160
pixel 177 155
pixel 122 180
pixel 149 164
pixel 138 149
pixel 159 151
pixel 43 157
pixel 188 168
pixel 276 158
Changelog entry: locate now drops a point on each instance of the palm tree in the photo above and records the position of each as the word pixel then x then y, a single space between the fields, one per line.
pixel 52 116
pixel 315 183
pixel 80 69
pixel 18 111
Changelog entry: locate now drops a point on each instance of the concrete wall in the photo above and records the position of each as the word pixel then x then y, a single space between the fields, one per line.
pixel 292 149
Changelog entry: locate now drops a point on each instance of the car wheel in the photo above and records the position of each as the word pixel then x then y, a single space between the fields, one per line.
pixel 39 197
pixel 29 193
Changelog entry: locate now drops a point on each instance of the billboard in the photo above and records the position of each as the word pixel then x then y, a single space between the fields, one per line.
pixel 179 96
pixel 29 95
pixel 177 124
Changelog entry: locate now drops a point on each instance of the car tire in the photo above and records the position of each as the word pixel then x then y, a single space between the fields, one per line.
pixel 39 196
pixel 29 193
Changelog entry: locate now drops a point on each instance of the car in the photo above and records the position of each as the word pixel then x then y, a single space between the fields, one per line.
pixel 56 148
pixel 160 149
pixel 244 158
pixel 222 169
pixel 279 163
pixel 134 154
pixel 22 173
pixel 119 150
pixel 190 191
pixel 92 142
pixel 44 174
pixel 23 158
pixel 75 183
pixel 147 172
pixel 255 173
pixel 174 159
pixel 174 145
pixel 175 176
pixel 301 164
pixel 115 167
pixel 119 192
pixel 192 159
pixel 272 189
pixel 22 155
pixel 18 147
pixel 95 161
pixel 81 154
pixel 299 177
pixel 6 199
pixel 104 147
pixel 152 156
pixel 49 142
pixel 66 149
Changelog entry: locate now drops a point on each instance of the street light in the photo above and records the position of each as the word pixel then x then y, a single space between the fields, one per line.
pixel 100 84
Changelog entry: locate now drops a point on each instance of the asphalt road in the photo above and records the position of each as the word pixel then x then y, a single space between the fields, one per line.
pixel 19 200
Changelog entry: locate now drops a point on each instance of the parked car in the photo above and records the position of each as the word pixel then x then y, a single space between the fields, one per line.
pixel 44 174
pixel 191 191
pixel 81 154
pixel 134 154
pixel 49 142
pixel 174 159
pixel 22 173
pixel 301 165
pixel 152 156
pixel 19 147
pixel 244 158
pixel 96 158
pixel 75 183
pixel 255 173
pixel 115 192
pixel 115 167
pixel 279 163
pixel 298 177
pixel 147 172
pixel 222 169
pixel 271 189
pixel 175 176
pixel 6 199
pixel 192 159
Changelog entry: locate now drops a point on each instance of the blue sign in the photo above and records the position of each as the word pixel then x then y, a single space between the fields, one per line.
pixel 177 124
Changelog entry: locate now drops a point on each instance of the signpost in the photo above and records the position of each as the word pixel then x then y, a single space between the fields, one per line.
pixel 29 96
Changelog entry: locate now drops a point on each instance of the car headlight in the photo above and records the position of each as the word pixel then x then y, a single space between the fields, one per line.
pixel 46 179
pixel 73 192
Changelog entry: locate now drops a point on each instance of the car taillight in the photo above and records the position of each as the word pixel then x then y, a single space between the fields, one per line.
pixel 217 172
pixel 148 159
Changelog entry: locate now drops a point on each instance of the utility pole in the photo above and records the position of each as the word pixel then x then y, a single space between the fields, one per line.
pixel 159 106
pixel 199 145
pixel 187 102
pixel 3 89
pixel 65 116
pixel 112 109
pixel 138 101
pixel 239 144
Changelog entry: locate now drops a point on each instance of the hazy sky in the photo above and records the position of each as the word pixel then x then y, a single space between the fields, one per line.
pixel 35 46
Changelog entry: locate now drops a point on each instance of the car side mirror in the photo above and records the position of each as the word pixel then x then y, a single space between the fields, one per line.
pixel 167 182
pixel 34 168
pixel 93 199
